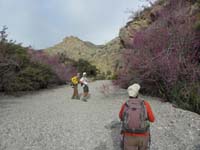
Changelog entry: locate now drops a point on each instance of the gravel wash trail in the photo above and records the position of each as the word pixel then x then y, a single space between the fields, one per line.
pixel 51 120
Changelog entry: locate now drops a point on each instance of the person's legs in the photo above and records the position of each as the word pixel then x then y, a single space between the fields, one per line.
pixel 85 92
pixel 127 147
pixel 84 98
pixel 75 94
pixel 131 143
pixel 144 143
pixel 136 142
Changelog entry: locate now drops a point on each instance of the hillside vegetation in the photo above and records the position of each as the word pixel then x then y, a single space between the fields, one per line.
pixel 23 69
pixel 162 52
pixel 104 57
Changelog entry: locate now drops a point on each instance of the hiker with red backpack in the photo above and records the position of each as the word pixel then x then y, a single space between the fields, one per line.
pixel 135 115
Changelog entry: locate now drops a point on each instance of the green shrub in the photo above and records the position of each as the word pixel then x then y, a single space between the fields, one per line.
pixel 100 76
pixel 197 26
pixel 114 76
pixel 33 77
pixel 85 66
pixel 21 71
pixel 108 73
pixel 186 96
pixel 21 55
pixel 160 2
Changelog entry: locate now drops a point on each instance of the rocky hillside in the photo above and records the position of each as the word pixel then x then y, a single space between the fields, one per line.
pixel 74 48
pixel 77 49
pixel 107 58
pixel 143 19
pixel 162 52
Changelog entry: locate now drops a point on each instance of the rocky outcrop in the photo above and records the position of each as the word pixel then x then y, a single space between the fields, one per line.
pixel 140 20
pixel 149 15
pixel 108 58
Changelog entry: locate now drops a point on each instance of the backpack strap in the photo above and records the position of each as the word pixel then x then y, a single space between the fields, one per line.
pixel 145 110
pixel 126 104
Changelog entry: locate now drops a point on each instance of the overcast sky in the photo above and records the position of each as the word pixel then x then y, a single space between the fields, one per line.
pixel 43 23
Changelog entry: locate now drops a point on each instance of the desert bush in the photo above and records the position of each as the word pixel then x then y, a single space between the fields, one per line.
pixel 18 73
pixel 197 26
pixel 13 58
pixel 33 77
pixel 85 66
pixel 186 96
pixel 100 76
pixel 165 58
pixel 23 69
pixel 64 72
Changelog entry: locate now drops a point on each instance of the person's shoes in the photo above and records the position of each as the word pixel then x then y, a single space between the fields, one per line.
pixel 77 97
pixel 88 96
pixel 84 99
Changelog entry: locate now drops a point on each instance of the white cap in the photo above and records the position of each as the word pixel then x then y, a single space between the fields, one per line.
pixel 133 90
pixel 84 73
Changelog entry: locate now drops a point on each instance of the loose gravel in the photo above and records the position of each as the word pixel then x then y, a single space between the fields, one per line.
pixel 51 120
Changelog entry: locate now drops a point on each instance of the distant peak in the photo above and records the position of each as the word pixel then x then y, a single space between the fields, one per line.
pixel 72 38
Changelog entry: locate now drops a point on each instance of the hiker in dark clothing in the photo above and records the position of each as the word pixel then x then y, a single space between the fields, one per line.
pixel 135 115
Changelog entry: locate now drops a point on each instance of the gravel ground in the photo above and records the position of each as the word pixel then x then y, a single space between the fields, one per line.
pixel 50 120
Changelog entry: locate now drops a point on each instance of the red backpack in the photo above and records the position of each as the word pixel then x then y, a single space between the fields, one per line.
pixel 135 118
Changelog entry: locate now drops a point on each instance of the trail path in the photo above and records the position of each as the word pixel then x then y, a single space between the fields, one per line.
pixel 50 120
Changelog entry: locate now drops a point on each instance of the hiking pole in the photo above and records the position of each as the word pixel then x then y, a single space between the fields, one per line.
pixel 149 140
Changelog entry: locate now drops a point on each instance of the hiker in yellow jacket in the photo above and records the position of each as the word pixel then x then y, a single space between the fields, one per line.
pixel 75 81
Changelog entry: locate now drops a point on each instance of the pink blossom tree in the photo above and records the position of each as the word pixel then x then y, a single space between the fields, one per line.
pixel 165 57
pixel 64 72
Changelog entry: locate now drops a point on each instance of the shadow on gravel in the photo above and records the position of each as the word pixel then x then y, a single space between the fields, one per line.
pixel 115 126
pixel 197 147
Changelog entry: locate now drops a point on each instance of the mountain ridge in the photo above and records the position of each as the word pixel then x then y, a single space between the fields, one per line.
pixel 111 52
pixel 76 49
